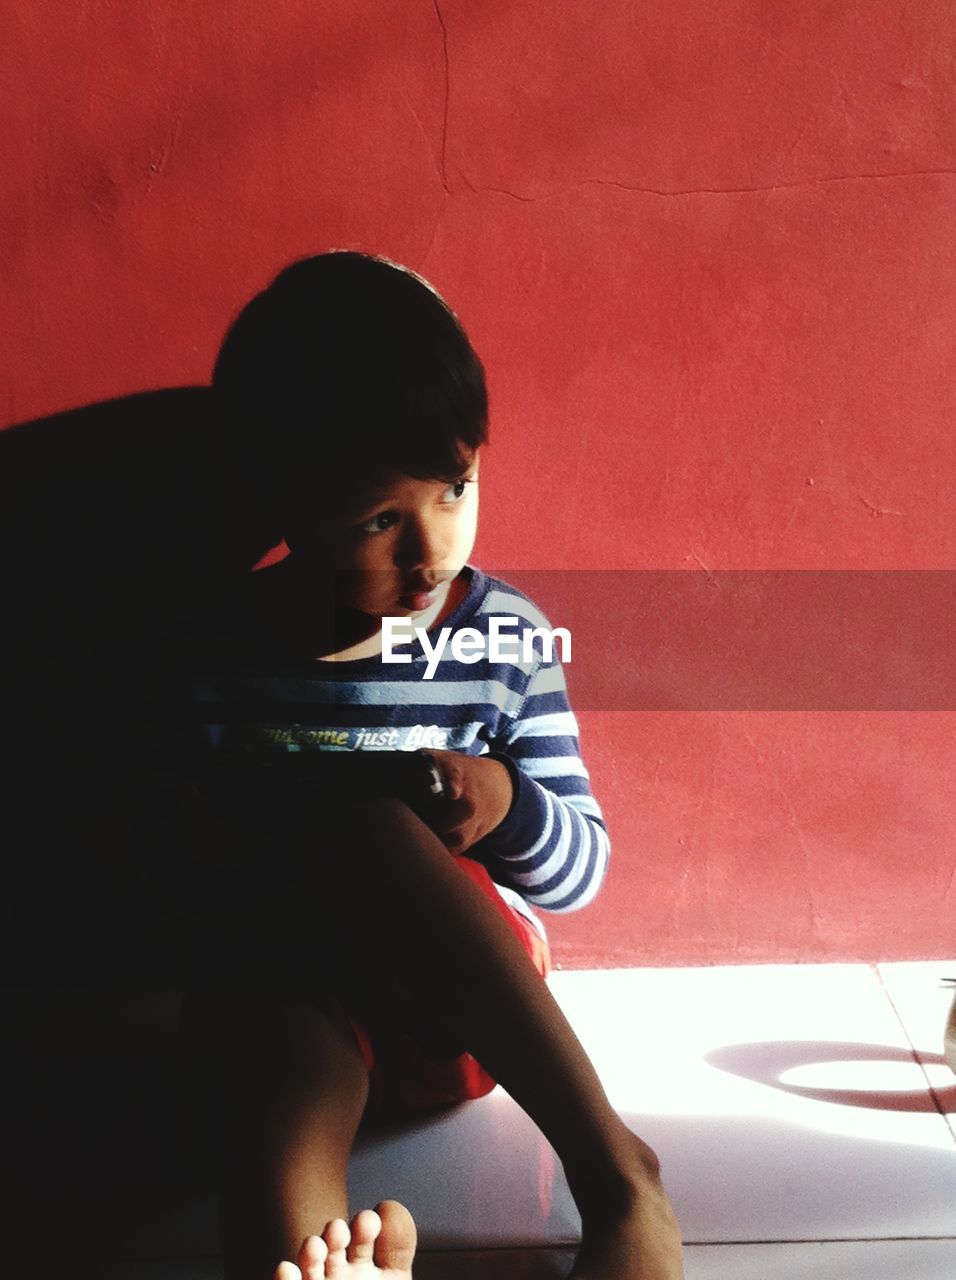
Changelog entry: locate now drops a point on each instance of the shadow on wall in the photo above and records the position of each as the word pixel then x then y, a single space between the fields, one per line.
pixel 118 521
pixel 117 518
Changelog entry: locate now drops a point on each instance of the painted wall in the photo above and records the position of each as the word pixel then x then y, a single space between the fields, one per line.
pixel 706 252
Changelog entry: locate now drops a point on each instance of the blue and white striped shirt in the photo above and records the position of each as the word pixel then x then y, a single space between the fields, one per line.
pixel 551 850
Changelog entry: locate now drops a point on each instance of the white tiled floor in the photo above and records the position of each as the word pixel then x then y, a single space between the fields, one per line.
pixel 922 1002
pixel 799 1135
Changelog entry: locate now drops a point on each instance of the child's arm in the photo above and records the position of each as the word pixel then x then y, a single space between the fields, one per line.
pixel 526 808
pixel 477 796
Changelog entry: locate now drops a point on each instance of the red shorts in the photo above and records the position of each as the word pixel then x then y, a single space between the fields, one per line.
pixel 415 1072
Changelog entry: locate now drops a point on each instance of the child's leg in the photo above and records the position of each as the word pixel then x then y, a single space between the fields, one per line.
pixel 408 911
pixel 291 1084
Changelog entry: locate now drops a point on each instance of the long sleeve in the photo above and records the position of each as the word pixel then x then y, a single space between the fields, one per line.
pixel 553 846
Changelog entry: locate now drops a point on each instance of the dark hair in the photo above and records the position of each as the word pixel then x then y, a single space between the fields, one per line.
pixel 347 359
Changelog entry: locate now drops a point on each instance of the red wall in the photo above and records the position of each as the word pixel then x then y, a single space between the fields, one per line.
pixel 706 252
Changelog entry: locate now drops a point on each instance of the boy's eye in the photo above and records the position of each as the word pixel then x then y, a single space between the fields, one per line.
pixel 379 523
pixel 383 520
pixel 457 491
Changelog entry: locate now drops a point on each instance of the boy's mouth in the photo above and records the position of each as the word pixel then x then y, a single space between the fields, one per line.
pixel 417 601
pixel 420 595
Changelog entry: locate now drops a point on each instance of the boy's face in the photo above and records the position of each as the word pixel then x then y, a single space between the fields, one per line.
pixel 394 543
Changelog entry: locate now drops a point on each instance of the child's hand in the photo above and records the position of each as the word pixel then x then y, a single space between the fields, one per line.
pixel 478 795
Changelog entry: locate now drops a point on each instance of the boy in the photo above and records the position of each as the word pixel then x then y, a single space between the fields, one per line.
pixel 368 930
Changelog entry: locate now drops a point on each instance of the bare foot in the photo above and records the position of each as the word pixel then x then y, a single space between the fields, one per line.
pixel 641 1244
pixel 377 1242
pixel 631 1233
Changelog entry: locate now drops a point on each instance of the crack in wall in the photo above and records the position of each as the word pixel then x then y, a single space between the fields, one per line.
pixel 874 510
pixel 157 166
pixel 427 140
pixel 442 156
pixel 713 191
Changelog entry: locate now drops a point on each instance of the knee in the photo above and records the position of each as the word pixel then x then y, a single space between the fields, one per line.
pixel 350 831
pixel 258 1037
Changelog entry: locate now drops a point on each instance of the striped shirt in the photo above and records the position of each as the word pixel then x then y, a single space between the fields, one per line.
pixel 551 849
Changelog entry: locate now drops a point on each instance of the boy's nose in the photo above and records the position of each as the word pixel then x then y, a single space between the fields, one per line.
pixel 421 546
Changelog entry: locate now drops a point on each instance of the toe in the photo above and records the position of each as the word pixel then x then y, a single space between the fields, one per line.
pixel 337 1237
pixel 395 1247
pixel 312 1258
pixel 365 1228
pixel 287 1271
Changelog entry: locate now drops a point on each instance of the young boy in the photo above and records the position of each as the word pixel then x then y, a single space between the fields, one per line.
pixel 371 918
